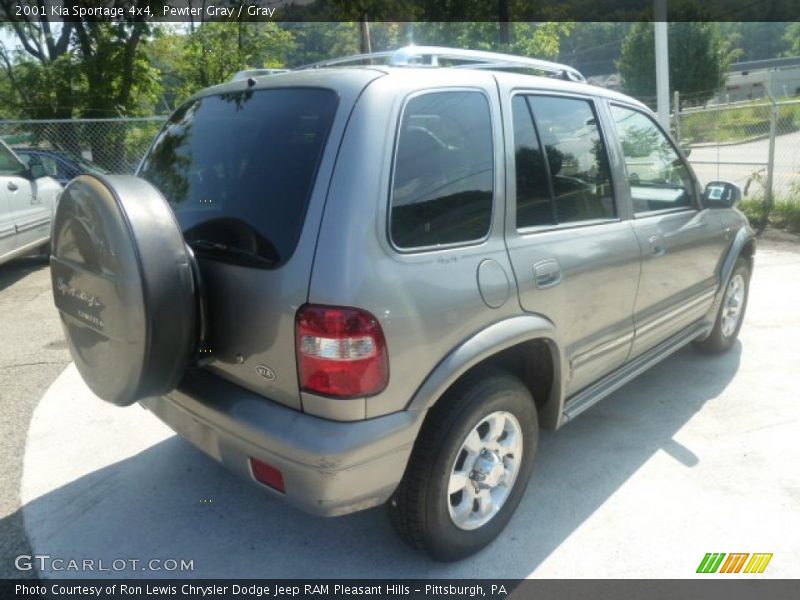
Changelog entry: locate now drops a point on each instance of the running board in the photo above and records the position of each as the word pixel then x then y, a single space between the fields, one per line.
pixel 610 383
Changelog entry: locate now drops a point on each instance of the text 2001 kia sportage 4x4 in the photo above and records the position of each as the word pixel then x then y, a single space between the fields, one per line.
pixel 360 284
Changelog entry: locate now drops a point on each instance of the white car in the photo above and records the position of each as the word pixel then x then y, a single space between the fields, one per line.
pixel 27 202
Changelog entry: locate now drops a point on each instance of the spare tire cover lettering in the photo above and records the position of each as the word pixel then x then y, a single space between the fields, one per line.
pixel 123 285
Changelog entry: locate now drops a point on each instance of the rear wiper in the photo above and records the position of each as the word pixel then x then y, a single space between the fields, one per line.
pixel 231 253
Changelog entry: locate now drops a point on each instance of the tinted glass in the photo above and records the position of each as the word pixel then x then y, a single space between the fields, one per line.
pixel 9 165
pixel 534 201
pixel 443 175
pixel 658 178
pixel 238 168
pixel 51 167
pixel 576 156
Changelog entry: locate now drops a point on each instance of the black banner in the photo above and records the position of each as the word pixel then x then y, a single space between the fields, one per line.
pixel 396 10
pixel 401 589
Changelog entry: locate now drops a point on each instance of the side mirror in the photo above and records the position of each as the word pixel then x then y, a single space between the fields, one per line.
pixel 687 150
pixel 721 194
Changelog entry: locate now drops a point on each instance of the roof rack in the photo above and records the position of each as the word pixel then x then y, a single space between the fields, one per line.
pixel 247 73
pixel 430 56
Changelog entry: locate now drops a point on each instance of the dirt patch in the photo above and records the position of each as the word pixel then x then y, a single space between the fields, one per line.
pixel 781 239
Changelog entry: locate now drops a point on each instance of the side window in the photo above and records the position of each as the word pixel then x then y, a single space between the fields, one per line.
pixel 442 187
pixel 571 180
pixel 50 165
pixel 9 165
pixel 658 177
pixel 534 197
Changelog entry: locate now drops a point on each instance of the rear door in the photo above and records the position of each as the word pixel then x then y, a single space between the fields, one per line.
pixel 574 254
pixel 680 242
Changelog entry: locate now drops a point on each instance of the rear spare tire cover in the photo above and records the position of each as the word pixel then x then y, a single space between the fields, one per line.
pixel 123 285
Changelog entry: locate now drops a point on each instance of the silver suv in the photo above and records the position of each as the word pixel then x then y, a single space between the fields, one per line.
pixel 363 284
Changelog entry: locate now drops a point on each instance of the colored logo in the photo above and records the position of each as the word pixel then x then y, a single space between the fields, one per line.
pixel 719 562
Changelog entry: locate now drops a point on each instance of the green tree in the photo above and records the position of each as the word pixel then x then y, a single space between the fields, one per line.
pixel 45 51
pixel 594 48
pixel 536 40
pixel 211 53
pixel 218 50
pixel 79 69
pixel 792 39
pixel 165 53
pixel 118 80
pixel 698 61
pixel 756 40
pixel 316 41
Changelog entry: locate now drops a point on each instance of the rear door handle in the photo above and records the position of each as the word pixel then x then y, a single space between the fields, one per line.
pixel 547 273
pixel 657 245
pixel 12 186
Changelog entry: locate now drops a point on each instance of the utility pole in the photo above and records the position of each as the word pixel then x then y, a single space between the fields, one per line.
pixel 366 43
pixel 505 26
pixel 662 62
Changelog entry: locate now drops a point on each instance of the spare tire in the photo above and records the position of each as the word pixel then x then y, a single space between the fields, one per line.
pixel 123 285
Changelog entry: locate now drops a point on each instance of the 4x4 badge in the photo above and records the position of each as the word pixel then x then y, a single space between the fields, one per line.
pixel 265 372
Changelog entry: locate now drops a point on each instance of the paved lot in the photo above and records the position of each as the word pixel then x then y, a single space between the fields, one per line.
pixel 32 354
pixel 698 455
pixel 787 161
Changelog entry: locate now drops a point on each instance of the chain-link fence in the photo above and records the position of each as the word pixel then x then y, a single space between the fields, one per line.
pixel 753 144
pixel 116 145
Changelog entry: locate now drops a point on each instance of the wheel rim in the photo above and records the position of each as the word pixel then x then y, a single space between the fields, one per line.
pixel 733 304
pixel 485 470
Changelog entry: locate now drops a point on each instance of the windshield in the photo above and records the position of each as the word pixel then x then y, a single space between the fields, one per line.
pixel 238 168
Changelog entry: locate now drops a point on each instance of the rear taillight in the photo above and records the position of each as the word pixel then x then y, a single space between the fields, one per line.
pixel 341 352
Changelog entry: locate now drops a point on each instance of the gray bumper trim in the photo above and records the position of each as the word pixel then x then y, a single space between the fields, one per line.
pixel 329 467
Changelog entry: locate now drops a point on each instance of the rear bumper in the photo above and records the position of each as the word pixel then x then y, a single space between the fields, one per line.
pixel 329 467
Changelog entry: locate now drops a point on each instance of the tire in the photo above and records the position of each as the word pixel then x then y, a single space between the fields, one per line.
pixel 447 526
pixel 731 311
pixel 124 286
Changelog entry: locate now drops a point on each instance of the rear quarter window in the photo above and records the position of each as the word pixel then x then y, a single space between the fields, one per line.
pixel 442 185
pixel 238 168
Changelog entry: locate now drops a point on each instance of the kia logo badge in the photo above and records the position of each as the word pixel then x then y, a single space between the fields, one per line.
pixel 265 372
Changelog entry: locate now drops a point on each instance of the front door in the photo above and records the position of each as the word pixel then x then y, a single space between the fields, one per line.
pixel 30 215
pixel 680 242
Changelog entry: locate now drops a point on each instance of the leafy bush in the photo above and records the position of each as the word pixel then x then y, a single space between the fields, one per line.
pixel 785 214
pixel 753 210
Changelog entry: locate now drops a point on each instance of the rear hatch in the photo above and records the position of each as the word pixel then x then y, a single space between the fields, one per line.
pixel 246 171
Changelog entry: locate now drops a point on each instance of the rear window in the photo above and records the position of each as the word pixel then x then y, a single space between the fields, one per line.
pixel 238 169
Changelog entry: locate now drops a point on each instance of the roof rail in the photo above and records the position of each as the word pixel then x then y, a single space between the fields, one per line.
pixel 430 56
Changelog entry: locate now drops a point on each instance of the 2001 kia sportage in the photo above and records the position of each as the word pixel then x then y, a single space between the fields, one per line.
pixel 360 284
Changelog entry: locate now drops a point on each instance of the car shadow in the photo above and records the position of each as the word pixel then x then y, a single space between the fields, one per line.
pixel 170 501
pixel 19 268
